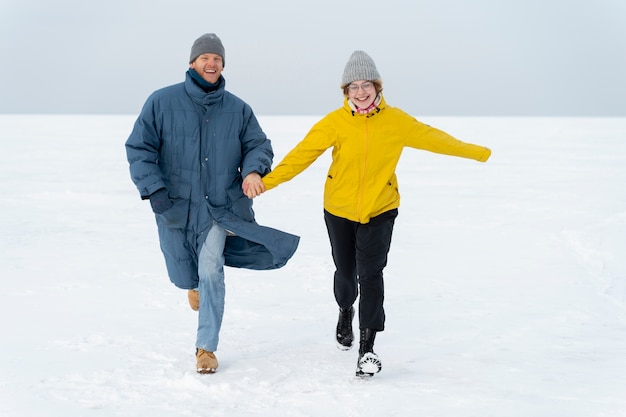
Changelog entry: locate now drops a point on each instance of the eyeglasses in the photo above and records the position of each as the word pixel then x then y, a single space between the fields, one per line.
pixel 366 86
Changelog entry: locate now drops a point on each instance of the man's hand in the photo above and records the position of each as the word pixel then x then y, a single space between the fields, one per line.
pixel 253 185
pixel 160 201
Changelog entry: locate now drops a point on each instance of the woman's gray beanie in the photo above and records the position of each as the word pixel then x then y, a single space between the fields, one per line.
pixel 208 43
pixel 360 66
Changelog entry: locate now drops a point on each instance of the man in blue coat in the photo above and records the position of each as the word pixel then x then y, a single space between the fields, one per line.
pixel 193 151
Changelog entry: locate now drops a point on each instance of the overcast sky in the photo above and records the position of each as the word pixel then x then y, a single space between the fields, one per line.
pixel 436 57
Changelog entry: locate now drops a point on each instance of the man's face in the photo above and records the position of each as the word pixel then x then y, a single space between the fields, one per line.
pixel 209 66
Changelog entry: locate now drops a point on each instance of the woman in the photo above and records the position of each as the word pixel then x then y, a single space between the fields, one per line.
pixel 361 196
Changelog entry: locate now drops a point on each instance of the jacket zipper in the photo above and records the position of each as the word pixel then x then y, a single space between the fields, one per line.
pixel 362 185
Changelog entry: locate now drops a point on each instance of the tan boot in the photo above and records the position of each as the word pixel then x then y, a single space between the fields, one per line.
pixel 194 299
pixel 206 361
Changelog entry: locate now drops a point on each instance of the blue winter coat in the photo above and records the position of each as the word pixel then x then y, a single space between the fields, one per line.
pixel 200 146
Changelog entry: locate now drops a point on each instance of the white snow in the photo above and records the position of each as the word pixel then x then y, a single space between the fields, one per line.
pixel 505 290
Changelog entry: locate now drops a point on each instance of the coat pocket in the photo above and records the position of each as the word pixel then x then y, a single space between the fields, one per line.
pixel 177 216
pixel 241 206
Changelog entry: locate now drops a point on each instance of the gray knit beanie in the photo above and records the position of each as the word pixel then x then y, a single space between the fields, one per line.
pixel 208 43
pixel 360 66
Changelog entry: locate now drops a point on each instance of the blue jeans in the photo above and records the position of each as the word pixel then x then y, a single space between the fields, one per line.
pixel 211 288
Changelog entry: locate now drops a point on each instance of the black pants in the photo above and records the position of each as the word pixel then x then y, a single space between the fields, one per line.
pixel 360 255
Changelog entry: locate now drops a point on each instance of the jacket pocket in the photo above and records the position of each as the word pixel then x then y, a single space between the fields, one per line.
pixel 241 206
pixel 389 197
pixel 177 216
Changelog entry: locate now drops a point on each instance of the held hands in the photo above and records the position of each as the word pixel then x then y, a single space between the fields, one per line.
pixel 252 185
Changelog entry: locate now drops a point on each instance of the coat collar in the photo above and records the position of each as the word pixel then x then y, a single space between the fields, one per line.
pixel 380 105
pixel 199 96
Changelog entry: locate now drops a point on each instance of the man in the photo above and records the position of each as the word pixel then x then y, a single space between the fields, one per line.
pixel 193 150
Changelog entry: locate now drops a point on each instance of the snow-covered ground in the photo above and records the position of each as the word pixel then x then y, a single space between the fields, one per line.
pixel 506 287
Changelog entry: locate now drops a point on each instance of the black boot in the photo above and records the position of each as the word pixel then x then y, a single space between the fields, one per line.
pixel 345 335
pixel 369 362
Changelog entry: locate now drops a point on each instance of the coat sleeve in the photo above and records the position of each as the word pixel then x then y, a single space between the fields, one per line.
pixel 423 136
pixel 314 144
pixel 257 153
pixel 142 152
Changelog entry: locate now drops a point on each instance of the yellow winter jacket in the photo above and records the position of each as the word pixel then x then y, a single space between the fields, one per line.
pixel 361 181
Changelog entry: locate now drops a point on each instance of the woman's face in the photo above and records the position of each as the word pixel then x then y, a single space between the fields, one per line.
pixel 362 93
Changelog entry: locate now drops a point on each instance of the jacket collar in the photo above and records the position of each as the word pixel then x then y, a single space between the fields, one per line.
pixel 351 108
pixel 199 95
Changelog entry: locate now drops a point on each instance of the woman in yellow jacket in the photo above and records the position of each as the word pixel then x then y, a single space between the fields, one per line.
pixel 361 196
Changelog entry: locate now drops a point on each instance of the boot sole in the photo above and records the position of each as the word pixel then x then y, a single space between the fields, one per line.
pixel 343 347
pixel 368 365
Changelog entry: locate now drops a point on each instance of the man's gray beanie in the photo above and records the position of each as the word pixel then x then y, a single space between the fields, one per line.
pixel 360 66
pixel 208 43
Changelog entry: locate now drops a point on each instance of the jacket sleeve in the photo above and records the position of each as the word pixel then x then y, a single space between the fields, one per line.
pixel 423 136
pixel 314 144
pixel 142 151
pixel 257 153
